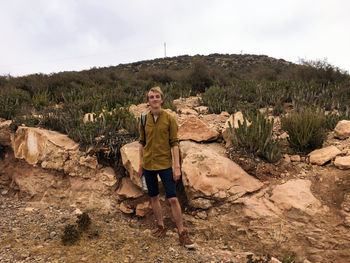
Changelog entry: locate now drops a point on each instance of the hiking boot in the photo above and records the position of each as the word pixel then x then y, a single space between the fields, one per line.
pixel 160 232
pixel 185 240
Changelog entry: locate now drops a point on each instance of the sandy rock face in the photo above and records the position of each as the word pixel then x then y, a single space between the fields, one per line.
pixel 342 130
pixel 130 159
pixel 214 121
pixel 342 162
pixel 128 189
pixel 296 194
pixel 195 129
pixel 207 173
pixel 321 156
pixel 35 145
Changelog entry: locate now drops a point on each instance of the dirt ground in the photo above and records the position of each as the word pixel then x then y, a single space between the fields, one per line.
pixel 31 231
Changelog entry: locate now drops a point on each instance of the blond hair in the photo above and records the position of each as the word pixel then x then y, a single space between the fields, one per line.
pixel 155 90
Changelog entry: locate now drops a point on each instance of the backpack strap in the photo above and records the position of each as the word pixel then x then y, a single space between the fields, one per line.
pixel 143 123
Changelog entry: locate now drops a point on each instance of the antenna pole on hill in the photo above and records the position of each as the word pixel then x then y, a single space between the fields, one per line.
pixel 165 49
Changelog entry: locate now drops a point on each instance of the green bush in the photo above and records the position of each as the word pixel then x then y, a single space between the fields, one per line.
pixel 256 138
pixel 306 129
pixel 11 101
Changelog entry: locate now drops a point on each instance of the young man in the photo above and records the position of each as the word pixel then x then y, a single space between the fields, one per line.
pixel 156 151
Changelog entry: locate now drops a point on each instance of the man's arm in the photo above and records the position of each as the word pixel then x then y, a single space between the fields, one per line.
pixel 176 159
pixel 140 159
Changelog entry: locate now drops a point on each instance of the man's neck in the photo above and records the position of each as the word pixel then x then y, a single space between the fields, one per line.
pixel 156 111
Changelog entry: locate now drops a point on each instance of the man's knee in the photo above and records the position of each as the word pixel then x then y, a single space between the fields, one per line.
pixel 173 201
pixel 155 198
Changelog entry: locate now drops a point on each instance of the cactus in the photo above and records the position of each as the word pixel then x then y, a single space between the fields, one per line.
pixel 256 138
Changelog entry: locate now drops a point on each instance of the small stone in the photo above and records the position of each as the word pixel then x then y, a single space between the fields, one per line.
pixel 4 192
pixel 53 234
pixel 295 158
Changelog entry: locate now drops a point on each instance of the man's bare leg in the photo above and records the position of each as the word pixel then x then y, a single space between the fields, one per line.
pixel 157 210
pixel 177 213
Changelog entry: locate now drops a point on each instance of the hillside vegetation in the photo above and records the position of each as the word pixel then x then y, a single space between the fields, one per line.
pixel 226 83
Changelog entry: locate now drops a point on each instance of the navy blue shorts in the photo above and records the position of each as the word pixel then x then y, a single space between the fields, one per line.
pixel 166 176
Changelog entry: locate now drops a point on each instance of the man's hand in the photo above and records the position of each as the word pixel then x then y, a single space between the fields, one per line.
pixel 140 171
pixel 177 173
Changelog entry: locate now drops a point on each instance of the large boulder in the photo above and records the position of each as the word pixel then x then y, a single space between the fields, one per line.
pixel 296 194
pixel 342 130
pixel 131 162
pixel 321 156
pixel 208 173
pixel 195 129
pixel 128 189
pixel 35 145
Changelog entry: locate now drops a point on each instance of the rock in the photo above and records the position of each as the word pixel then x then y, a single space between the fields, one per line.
pixel 88 161
pixel 195 129
pixel 257 205
pixel 296 194
pixel 202 215
pixel 4 192
pixel 214 121
pixel 207 173
pixel 128 189
pixel 201 203
pixel 286 158
pixel 107 176
pixel 190 102
pixel 89 117
pixel 342 130
pixel 5 133
pixel 126 208
pixel 321 156
pixel 187 111
pixel 274 260
pixel 226 131
pixel 38 145
pixel 139 109
pixel 130 159
pixel 342 162
pixel 143 209
pixel 295 158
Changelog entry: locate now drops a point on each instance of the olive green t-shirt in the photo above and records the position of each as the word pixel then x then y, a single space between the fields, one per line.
pixel 160 137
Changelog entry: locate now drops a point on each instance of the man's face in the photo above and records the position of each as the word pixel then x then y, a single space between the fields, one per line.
pixel 154 99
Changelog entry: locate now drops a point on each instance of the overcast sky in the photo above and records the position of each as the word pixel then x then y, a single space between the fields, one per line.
pixel 46 36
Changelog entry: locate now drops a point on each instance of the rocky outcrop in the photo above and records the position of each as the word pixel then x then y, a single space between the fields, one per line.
pixel 321 156
pixel 342 130
pixel 275 201
pixel 194 129
pixel 207 173
pixel 296 194
pixel 62 172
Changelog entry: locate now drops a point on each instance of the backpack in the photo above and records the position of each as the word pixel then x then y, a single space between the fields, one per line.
pixel 143 124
